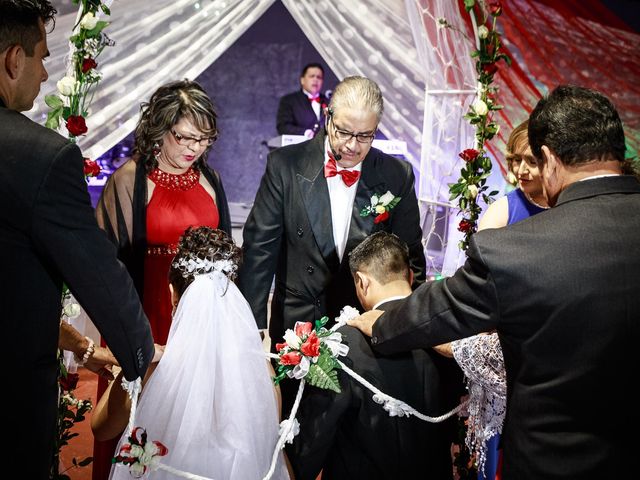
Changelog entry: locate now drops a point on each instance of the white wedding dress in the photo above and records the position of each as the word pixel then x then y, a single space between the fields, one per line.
pixel 211 400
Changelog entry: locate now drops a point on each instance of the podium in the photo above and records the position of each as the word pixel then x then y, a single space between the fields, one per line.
pixel 397 148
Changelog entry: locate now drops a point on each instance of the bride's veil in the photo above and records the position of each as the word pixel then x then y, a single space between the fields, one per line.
pixel 211 400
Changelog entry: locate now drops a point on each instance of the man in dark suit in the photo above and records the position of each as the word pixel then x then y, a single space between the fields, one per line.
pixel 348 434
pixel 49 235
pixel 302 112
pixel 303 224
pixel 561 288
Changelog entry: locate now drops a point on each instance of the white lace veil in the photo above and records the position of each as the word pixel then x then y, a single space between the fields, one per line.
pixel 211 400
pixel 480 358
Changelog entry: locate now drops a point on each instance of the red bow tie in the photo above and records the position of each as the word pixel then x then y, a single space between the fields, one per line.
pixel 315 99
pixel 349 177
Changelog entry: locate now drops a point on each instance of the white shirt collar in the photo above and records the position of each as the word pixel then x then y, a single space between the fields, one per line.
pixel 601 176
pixel 310 95
pixel 389 299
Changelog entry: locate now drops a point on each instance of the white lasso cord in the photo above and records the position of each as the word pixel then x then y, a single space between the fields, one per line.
pixel 395 407
pixel 287 426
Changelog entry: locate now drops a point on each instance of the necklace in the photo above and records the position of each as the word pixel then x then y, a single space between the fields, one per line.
pixel 172 181
pixel 530 200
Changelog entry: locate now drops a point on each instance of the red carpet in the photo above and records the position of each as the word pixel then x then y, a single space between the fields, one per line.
pixel 81 446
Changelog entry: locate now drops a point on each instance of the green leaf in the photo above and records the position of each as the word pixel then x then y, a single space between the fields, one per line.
pixel 53 119
pixel 85 462
pixel 53 101
pixel 321 378
pixel 394 202
pixel 105 9
pixel 468 4
pixel 95 31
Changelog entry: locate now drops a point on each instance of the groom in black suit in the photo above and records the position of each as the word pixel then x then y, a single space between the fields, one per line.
pixel 49 235
pixel 562 289
pixel 348 434
pixel 306 216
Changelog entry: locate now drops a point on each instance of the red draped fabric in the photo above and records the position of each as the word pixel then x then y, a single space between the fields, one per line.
pixel 553 42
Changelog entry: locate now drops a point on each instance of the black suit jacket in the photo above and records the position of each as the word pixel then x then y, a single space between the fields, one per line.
pixel 49 234
pixel 563 290
pixel 350 436
pixel 296 115
pixel 289 233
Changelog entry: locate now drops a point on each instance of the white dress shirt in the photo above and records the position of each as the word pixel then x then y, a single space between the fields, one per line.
pixel 341 198
pixel 315 105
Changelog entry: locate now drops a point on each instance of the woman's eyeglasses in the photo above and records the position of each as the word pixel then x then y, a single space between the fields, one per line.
pixel 191 141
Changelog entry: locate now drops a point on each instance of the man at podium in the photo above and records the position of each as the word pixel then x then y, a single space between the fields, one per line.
pixel 302 112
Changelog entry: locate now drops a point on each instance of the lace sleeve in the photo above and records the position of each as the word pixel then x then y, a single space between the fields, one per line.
pixel 480 358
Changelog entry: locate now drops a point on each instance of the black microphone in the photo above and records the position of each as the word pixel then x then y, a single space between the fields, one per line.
pixel 336 156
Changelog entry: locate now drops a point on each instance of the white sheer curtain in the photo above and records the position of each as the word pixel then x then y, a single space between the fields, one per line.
pixel 156 42
pixel 371 38
pixel 450 86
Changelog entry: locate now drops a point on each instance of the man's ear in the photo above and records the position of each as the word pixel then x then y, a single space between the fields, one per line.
pixel 410 277
pixel 14 61
pixel 362 282
pixel 550 160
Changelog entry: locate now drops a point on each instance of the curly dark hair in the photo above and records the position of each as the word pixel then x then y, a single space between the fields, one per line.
pixel 203 243
pixel 19 23
pixel 167 106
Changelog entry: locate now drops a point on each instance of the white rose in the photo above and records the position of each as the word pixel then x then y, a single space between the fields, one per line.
pixel 71 310
pixel 473 191
pixel 66 86
pixel 386 198
pixel 137 470
pixel 380 209
pixel 89 21
pixel 292 339
pixel 483 32
pixel 136 451
pixel 480 107
pixel 374 200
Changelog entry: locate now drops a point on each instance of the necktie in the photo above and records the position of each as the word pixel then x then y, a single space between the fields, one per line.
pixel 349 177
pixel 315 99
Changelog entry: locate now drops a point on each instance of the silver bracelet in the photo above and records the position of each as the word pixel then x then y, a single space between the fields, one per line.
pixel 87 353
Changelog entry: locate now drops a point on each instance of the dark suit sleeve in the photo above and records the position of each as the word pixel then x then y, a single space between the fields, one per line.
pixel 262 237
pixel 65 232
pixel 405 223
pixel 286 123
pixel 440 311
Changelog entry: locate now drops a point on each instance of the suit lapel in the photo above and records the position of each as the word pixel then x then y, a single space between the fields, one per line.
pixel 371 182
pixel 315 195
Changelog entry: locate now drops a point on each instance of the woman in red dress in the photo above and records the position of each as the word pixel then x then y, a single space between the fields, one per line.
pixel 149 202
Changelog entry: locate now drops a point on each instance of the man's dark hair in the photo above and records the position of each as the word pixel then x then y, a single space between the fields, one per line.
pixel 383 256
pixel 579 124
pixel 311 65
pixel 19 23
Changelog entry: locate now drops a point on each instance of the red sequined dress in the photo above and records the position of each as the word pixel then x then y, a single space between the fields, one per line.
pixel 177 202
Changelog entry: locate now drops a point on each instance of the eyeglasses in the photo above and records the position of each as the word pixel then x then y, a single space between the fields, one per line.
pixel 191 141
pixel 345 136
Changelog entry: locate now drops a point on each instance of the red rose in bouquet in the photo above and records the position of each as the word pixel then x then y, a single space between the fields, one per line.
pixel 76 125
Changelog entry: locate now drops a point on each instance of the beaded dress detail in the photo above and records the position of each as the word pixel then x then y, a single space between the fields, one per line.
pixel 178 202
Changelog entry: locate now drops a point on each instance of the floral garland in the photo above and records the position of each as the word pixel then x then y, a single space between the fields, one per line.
pixel 477 166
pixel 70 409
pixel 76 89
pixel 309 351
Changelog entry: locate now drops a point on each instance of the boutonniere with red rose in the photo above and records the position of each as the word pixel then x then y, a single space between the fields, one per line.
pixel 380 206
pixel 139 454
pixel 309 351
